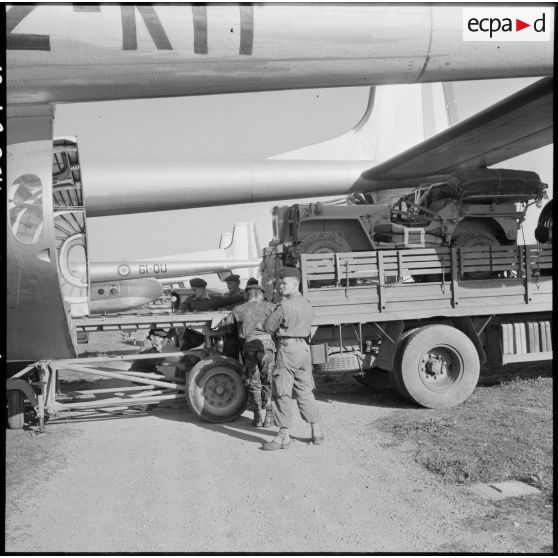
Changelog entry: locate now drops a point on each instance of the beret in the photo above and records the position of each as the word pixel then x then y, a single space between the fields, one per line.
pixel 197 282
pixel 289 272
pixel 255 287
pixel 251 281
pixel 158 332
pixel 232 278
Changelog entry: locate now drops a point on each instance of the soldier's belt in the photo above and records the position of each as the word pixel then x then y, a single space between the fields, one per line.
pixel 306 339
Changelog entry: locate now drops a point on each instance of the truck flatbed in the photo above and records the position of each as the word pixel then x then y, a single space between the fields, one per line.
pixel 391 285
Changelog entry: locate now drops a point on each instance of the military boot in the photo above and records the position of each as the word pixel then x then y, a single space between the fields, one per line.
pixel 268 422
pixel 258 418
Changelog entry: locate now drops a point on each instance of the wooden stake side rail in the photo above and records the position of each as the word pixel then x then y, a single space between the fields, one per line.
pixel 378 286
pixel 193 320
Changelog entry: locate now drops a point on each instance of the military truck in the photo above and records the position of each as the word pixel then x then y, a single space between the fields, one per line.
pixel 469 207
pixel 421 292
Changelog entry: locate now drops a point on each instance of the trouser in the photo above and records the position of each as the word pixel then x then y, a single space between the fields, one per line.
pixel 259 363
pixel 293 376
pixel 231 345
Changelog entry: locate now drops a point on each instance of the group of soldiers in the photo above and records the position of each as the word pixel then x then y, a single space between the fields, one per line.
pixel 274 341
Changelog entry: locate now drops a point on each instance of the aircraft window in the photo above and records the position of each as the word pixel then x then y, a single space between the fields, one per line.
pixel 77 260
pixel 101 291
pixel 113 291
pixel 25 208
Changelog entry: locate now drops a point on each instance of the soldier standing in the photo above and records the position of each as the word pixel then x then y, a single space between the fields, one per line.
pixel 233 297
pixel 258 351
pixel 290 322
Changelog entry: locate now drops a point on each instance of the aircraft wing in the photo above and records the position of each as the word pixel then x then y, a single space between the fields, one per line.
pixel 516 125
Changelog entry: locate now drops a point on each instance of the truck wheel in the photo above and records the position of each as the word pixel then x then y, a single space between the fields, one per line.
pixel 475 238
pixel 438 366
pixel 15 409
pixel 215 391
pixel 395 374
pixel 324 243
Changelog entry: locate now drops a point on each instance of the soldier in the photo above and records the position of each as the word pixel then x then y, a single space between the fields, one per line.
pixel 258 351
pixel 290 322
pixel 199 301
pixel 233 297
pixel 233 285
pixel 251 281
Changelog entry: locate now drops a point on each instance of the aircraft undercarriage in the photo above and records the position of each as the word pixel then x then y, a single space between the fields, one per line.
pixel 208 383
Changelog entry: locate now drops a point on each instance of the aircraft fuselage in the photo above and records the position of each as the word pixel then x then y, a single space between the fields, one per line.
pixel 65 53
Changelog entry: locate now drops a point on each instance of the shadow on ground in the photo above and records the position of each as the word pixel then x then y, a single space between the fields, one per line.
pixel 343 387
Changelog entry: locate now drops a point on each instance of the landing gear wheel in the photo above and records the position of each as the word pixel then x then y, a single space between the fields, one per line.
pixel 215 391
pixel 437 367
pixel 468 238
pixel 16 410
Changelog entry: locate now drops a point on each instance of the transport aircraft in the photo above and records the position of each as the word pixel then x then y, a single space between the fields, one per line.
pixel 121 286
pixel 74 53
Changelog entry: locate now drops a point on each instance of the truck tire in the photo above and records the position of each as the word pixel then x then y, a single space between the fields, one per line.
pixel 15 409
pixel 215 391
pixel 395 374
pixel 438 366
pixel 323 243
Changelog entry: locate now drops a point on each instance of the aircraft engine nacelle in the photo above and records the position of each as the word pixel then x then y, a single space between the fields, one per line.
pixel 118 296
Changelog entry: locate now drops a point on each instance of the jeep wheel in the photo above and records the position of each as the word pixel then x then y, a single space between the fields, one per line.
pixel 324 243
pixel 470 238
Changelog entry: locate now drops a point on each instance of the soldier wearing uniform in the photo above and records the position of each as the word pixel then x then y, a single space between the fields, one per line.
pixel 258 351
pixel 290 322
pixel 199 301
pixel 251 281
pixel 234 296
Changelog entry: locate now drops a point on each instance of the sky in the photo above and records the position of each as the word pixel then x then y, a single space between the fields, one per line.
pixel 246 125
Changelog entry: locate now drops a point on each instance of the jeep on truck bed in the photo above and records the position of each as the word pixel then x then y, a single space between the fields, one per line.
pixel 469 207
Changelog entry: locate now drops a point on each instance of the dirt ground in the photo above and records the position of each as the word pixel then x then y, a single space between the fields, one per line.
pixel 164 482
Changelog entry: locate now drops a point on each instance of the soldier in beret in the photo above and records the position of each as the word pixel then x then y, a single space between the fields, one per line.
pixel 199 301
pixel 290 322
pixel 234 296
pixel 233 284
pixel 258 351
